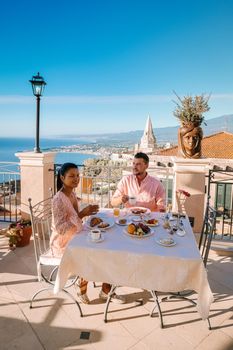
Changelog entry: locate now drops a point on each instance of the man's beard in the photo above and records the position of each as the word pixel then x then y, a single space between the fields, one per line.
pixel 137 172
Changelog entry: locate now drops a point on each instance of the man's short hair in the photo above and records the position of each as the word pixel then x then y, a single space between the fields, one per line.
pixel 142 155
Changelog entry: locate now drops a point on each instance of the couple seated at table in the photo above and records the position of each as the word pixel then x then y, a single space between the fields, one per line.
pixel 67 218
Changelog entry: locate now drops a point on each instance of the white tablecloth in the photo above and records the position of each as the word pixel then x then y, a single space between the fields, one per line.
pixel 142 263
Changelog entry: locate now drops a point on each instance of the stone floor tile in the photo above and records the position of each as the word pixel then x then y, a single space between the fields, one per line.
pixel 217 340
pixel 227 326
pixel 139 346
pixel 166 339
pixel 219 274
pixel 113 336
pixel 25 342
pixel 135 319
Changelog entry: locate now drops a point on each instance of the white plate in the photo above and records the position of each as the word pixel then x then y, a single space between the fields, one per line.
pixel 118 223
pixel 138 236
pixel 136 218
pixel 110 221
pixel 147 211
pixel 151 225
pixel 160 242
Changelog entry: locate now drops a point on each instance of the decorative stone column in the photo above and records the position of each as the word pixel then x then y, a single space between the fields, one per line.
pixel 190 177
pixel 36 177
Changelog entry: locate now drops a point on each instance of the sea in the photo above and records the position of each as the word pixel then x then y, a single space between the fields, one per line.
pixel 10 146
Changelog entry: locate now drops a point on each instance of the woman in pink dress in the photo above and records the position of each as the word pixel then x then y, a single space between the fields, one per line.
pixel 67 222
pixel 67 218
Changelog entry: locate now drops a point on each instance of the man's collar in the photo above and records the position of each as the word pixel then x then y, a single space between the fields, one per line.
pixel 135 176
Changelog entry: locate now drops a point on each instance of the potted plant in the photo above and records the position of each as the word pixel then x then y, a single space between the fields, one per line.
pixel 189 111
pixel 19 233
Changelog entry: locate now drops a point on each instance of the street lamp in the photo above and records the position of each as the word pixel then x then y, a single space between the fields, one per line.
pixel 38 85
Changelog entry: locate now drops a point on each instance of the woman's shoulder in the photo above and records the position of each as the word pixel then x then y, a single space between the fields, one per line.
pixel 58 197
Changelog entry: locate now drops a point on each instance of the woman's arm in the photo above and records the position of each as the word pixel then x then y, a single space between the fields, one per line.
pixel 89 210
pixel 61 218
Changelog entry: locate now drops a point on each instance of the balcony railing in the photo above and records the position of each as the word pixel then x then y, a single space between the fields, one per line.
pixel 98 183
pixel 9 191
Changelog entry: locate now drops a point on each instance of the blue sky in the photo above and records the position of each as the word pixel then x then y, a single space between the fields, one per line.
pixel 108 64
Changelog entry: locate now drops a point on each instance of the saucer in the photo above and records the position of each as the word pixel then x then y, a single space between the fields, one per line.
pixel 101 239
pixel 164 244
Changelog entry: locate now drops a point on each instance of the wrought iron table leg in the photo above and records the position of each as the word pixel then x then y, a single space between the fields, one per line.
pixel 208 320
pixel 180 296
pixel 108 301
pixel 155 297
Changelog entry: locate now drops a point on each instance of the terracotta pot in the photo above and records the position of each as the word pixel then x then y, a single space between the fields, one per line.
pixel 25 239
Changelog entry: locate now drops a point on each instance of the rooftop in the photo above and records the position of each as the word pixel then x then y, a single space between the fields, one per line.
pixel 218 145
pixel 54 322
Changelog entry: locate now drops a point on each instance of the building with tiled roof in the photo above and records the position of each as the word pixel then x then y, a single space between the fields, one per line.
pixel 219 145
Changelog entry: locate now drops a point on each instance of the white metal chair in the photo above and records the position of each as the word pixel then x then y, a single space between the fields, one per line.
pixel 46 263
pixel 207 232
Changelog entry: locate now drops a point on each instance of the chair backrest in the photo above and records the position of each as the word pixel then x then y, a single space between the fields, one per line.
pixel 41 218
pixel 207 232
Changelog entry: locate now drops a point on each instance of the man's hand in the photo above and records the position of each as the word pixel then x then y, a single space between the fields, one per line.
pixel 124 198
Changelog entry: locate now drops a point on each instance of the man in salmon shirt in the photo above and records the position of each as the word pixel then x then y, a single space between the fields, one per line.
pixel 140 189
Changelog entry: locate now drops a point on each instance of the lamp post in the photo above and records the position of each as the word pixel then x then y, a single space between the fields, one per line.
pixel 38 85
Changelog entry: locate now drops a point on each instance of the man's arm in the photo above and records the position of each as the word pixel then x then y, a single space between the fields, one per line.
pixel 119 197
pixel 160 196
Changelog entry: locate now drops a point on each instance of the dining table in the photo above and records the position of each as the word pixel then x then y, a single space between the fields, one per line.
pixel 145 262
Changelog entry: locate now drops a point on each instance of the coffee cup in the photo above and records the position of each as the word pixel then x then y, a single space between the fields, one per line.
pixel 132 200
pixel 95 234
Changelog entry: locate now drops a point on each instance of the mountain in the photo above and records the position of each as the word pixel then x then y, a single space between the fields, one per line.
pixel 163 135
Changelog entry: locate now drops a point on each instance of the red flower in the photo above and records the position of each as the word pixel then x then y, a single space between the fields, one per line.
pixel 185 193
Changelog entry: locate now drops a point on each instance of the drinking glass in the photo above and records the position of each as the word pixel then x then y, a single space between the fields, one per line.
pixel 116 212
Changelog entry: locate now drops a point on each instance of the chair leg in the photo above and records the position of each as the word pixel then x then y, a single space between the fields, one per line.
pixel 38 292
pixel 52 273
pixel 63 290
pixel 155 297
pixel 108 301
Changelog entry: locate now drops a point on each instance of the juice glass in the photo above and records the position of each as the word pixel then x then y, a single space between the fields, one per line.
pixel 116 212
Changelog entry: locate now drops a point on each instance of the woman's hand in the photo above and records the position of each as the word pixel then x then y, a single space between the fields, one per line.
pixel 89 210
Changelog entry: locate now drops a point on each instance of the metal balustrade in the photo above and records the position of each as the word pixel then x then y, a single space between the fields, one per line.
pixel 9 191
pixel 98 183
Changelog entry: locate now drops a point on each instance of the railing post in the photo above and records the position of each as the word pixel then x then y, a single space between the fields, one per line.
pixel 36 179
pixel 190 176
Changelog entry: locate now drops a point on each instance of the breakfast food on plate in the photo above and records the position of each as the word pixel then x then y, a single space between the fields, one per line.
pixel 131 228
pixel 103 225
pixel 151 222
pixel 167 241
pixel 138 229
pixel 95 221
pixel 122 221
pixel 138 211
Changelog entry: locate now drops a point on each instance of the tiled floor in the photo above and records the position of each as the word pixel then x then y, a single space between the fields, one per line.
pixel 54 322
